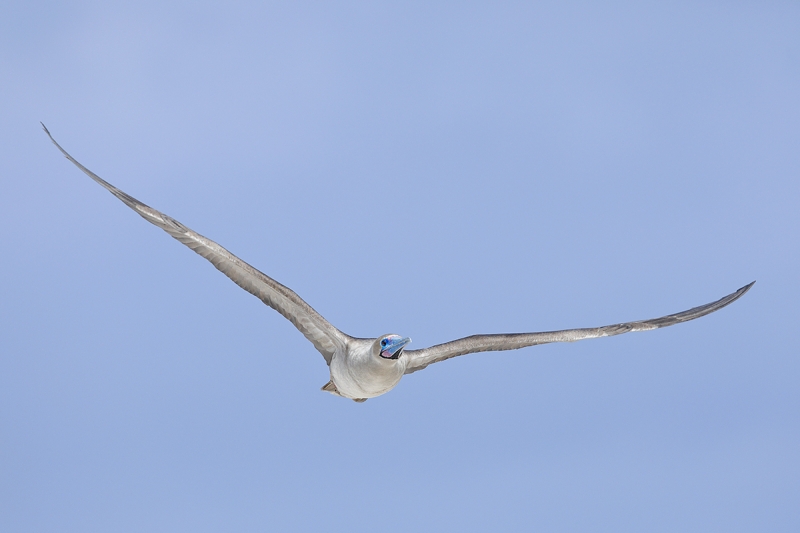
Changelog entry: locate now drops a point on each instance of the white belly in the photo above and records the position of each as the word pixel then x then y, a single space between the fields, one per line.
pixel 357 374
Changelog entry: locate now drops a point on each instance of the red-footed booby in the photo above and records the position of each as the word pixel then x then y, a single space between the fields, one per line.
pixel 366 368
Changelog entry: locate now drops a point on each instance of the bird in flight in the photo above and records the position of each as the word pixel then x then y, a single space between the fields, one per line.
pixel 366 368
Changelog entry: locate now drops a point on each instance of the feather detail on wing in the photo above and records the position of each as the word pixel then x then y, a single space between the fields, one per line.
pixel 322 334
pixel 419 359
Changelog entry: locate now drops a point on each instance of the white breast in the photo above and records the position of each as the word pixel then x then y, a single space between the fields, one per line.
pixel 359 374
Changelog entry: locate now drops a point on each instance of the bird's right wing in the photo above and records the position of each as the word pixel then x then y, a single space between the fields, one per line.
pixel 419 359
pixel 323 335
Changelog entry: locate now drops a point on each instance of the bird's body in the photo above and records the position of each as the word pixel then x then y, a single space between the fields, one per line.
pixel 358 374
pixel 366 368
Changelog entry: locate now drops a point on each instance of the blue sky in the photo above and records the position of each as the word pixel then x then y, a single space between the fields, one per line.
pixel 429 169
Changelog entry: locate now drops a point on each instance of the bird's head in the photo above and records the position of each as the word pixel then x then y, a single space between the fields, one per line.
pixel 390 346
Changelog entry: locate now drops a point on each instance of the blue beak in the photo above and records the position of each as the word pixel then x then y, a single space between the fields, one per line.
pixel 394 347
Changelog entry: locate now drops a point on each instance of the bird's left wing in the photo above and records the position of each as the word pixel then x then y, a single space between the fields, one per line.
pixel 419 359
pixel 325 337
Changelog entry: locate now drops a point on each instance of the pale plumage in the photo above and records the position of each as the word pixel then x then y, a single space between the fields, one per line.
pixel 365 368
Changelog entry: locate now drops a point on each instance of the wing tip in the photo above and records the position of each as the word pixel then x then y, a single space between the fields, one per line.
pixel 48 133
pixel 744 289
pixel 735 296
pixel 54 141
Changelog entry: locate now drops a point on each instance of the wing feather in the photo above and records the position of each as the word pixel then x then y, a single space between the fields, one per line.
pixel 323 335
pixel 419 359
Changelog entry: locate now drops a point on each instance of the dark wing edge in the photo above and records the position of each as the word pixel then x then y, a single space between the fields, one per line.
pixel 419 359
pixel 323 335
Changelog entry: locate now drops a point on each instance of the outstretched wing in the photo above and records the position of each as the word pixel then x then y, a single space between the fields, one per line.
pixel 325 337
pixel 419 359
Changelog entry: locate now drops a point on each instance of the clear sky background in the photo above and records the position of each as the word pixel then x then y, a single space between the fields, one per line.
pixel 428 169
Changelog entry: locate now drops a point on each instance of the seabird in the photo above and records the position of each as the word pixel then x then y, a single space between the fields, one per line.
pixel 366 368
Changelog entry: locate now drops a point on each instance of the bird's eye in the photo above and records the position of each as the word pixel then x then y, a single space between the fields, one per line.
pixel 383 342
